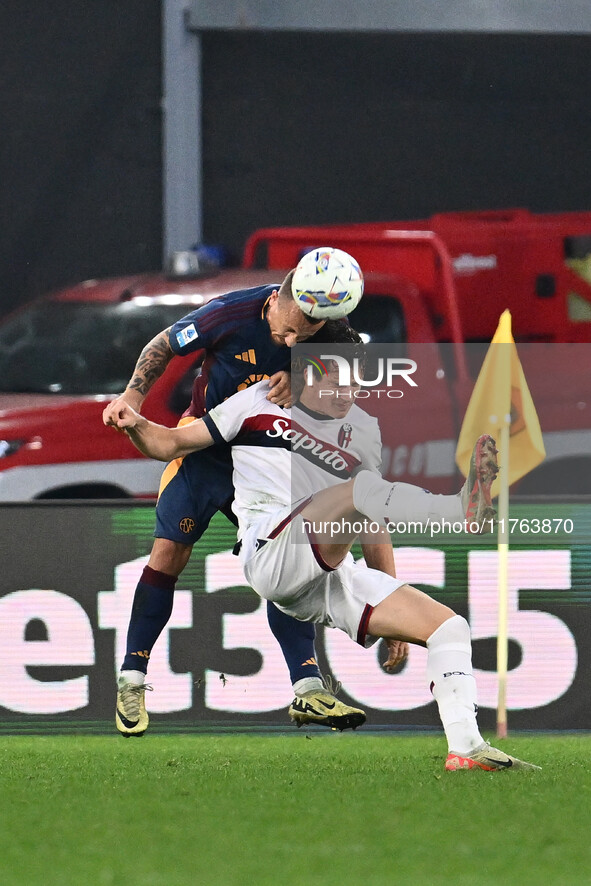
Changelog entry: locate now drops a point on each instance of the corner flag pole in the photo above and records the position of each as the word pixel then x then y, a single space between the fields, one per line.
pixel 503 584
pixel 501 405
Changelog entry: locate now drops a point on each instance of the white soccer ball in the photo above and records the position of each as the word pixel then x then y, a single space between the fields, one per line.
pixel 327 283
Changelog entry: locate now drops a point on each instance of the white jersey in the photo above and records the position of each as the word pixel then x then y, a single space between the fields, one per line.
pixel 281 456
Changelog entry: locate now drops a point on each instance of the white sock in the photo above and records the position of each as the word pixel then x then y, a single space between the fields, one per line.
pixel 449 669
pixel 400 502
pixel 307 684
pixel 137 677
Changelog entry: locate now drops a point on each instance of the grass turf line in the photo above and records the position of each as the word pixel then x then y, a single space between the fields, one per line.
pixel 312 809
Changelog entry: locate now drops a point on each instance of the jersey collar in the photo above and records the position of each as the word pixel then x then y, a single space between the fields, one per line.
pixel 319 416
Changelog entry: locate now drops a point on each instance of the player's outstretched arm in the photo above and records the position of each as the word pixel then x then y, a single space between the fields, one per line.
pixel 151 364
pixel 158 441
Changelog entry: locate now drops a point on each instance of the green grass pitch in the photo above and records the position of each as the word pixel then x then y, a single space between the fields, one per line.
pixel 304 809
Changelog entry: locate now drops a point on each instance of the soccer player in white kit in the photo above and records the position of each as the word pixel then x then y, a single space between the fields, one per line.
pixel 311 574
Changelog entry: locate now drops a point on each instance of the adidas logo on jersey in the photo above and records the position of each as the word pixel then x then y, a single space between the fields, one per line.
pixel 247 356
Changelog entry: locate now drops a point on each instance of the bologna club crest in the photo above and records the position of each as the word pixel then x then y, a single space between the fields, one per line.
pixel 344 437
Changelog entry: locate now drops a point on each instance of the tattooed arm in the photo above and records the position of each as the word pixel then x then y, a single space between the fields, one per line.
pixel 152 362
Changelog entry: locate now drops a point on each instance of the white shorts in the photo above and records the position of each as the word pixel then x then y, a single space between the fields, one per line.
pixel 295 578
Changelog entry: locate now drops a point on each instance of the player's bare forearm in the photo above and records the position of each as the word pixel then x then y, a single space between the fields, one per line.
pixel 159 442
pixel 155 441
pixel 151 364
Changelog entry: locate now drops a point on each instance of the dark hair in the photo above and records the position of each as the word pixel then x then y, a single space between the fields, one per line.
pixel 339 332
pixel 336 332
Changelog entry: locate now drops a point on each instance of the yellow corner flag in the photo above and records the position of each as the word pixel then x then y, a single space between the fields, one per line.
pixel 500 397
pixel 501 405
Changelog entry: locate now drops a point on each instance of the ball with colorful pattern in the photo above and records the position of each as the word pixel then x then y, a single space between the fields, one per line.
pixel 327 283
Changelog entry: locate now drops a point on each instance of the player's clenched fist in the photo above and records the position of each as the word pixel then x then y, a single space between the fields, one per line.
pixel 112 409
pixel 120 415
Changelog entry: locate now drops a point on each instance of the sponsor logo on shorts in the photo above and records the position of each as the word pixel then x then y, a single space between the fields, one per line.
pixel 187 524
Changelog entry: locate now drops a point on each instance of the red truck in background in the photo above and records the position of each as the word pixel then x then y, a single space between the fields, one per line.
pixel 440 285
pixel 435 288
pixel 65 354
pixel 467 267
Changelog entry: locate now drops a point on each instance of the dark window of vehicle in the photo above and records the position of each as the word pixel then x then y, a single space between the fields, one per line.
pixel 78 347
pixel 379 319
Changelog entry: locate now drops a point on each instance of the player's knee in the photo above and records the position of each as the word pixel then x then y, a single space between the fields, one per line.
pixel 169 556
pixel 454 630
